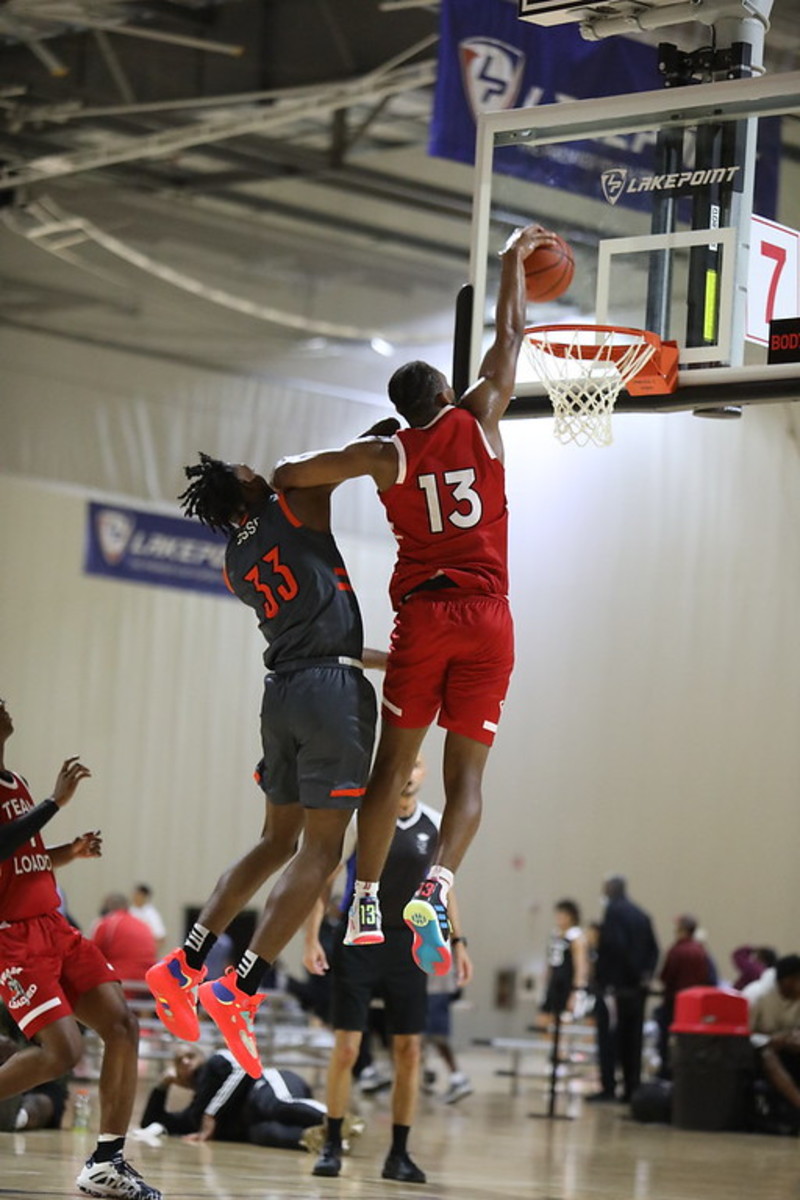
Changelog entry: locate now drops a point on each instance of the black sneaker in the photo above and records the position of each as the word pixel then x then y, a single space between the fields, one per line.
pixel 329 1162
pixel 403 1169
pixel 600 1098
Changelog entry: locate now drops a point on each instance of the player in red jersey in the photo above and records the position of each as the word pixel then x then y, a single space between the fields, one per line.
pixel 51 976
pixel 442 484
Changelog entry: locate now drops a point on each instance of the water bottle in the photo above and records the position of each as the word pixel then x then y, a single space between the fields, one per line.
pixel 81 1109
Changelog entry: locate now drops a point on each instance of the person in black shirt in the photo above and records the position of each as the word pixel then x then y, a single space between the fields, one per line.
pixel 317 730
pixel 386 971
pixel 627 955
pixel 228 1106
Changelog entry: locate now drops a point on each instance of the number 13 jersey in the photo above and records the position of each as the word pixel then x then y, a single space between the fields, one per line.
pixel 447 507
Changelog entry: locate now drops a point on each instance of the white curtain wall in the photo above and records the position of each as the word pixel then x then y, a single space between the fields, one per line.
pixel 652 723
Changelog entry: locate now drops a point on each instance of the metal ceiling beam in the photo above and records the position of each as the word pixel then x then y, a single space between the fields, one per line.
pixel 280 115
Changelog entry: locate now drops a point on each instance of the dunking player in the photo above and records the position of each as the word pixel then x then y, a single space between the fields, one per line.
pixel 361 973
pixel 51 977
pixel 317 728
pixel 451 652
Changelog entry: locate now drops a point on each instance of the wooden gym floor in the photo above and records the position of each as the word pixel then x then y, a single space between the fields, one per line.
pixel 487 1147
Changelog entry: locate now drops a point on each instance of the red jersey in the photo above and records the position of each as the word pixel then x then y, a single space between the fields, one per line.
pixel 447 507
pixel 128 943
pixel 27 883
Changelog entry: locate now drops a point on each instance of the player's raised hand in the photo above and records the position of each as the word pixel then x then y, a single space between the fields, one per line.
pixel 527 239
pixel 387 427
pixel 87 845
pixel 70 775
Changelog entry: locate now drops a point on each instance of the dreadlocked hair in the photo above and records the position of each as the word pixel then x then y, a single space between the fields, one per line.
pixel 214 494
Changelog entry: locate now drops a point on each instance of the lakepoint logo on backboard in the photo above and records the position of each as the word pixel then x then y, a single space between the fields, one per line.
pixel 619 181
pixel 492 73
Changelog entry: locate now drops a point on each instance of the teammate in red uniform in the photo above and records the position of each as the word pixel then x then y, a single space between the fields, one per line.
pixel 451 653
pixel 51 976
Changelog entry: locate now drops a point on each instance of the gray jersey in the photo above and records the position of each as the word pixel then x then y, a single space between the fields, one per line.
pixel 295 580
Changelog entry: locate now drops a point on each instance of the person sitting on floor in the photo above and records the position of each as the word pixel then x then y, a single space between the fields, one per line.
pixel 229 1106
pixel 41 1107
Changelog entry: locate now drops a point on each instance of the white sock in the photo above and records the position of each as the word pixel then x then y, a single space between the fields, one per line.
pixel 443 877
pixel 366 887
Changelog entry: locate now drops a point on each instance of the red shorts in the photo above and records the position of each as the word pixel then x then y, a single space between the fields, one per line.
pixel 45 967
pixel 450 655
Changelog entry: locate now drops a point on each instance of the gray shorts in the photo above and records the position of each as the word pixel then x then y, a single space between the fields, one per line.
pixel 317 733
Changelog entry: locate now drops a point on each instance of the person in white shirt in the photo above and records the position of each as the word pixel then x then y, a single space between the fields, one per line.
pixel 774 1014
pixel 142 906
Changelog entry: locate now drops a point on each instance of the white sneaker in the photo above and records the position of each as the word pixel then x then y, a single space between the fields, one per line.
pixel 458 1089
pixel 364 922
pixel 116 1178
pixel 373 1079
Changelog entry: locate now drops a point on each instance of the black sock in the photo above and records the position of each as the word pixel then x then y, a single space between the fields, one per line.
pixel 400 1138
pixel 250 972
pixel 333 1131
pixel 104 1151
pixel 199 941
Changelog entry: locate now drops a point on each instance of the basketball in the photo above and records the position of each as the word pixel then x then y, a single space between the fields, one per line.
pixel 549 271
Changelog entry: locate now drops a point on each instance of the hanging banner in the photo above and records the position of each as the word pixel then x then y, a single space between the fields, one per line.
pixel 136 546
pixel 490 60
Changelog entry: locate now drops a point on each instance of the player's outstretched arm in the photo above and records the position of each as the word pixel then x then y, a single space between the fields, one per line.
pixel 489 397
pixel 376 457
pixel 19 831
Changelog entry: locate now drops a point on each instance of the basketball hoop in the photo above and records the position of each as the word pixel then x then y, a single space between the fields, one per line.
pixel 585 367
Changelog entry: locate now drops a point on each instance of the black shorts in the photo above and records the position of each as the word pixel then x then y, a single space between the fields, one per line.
pixel 386 972
pixel 317 732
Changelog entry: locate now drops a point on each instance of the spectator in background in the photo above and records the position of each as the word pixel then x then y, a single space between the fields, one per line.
pixel 42 1107
pixel 567 963
pixel 751 962
pixel 125 941
pixel 142 906
pixel 443 991
pixel 227 1105
pixel 774 1012
pixel 686 965
pixel 627 955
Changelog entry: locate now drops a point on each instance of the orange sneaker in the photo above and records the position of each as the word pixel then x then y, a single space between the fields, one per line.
pixel 233 1012
pixel 174 985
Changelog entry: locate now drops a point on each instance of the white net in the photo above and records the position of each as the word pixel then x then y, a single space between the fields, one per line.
pixel 584 369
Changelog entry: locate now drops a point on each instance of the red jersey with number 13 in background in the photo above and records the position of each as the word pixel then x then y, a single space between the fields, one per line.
pixel 448 508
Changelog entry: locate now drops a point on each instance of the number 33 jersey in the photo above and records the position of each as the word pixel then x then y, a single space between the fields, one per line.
pixel 295 580
pixel 447 507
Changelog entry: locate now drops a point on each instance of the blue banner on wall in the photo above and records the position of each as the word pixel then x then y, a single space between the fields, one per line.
pixel 142 547
pixel 490 60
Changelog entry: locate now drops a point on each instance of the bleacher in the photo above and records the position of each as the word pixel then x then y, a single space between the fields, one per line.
pixel 285 1036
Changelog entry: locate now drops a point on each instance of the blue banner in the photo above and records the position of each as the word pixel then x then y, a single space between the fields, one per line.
pixel 490 60
pixel 142 547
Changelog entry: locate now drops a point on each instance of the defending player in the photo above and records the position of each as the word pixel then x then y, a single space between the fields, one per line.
pixel 317 729
pixel 51 977
pixel 442 484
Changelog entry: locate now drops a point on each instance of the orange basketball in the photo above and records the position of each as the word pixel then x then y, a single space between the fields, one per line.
pixel 549 271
